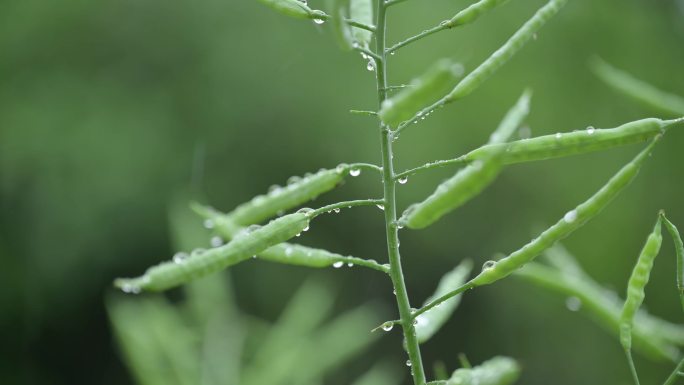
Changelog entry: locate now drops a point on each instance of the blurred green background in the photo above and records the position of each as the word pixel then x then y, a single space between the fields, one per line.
pixel 112 110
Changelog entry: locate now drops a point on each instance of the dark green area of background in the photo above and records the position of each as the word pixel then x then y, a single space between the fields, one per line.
pixel 109 110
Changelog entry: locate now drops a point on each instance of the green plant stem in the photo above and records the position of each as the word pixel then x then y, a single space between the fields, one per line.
pixel 389 3
pixel 427 166
pixel 353 23
pixel 632 368
pixel 417 37
pixel 441 299
pixel 346 204
pixel 366 166
pixel 391 228
pixel 676 372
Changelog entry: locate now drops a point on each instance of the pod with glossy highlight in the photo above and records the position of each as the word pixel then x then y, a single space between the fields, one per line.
pixel 679 252
pixel 570 222
pixel 637 283
pixel 495 371
pixel 281 199
pixel 472 13
pixel 573 143
pixel 505 52
pixel 203 262
pixel 424 90
pixel 472 179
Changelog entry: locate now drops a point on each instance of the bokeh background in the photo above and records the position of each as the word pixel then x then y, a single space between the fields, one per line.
pixel 113 111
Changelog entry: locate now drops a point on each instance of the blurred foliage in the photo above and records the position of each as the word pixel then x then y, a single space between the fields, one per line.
pixel 109 109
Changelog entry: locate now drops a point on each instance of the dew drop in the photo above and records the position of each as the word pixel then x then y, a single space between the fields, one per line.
pixel 336 210
pixel 488 265
pixel 130 288
pixel 387 326
pixel 371 65
pixel 573 303
pixel 559 135
pixel 180 257
pixel 591 130
pixel 355 172
pixel 570 216
pixel 306 228
pixel 381 207
pixel 393 52
pixel 338 264
pixel 318 21
pixel 408 363
pixel 209 224
pixel 306 211
pixel 350 264
pixel 216 241
pixel 293 179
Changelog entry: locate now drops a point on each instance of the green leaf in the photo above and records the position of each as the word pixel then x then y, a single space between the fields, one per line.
pixel 428 323
pixel 496 371
pixel 362 11
pixel 637 89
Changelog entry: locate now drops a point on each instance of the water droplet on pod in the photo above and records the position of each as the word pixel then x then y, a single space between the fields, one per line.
pixel 403 180
pixel 338 264
pixel 570 216
pixel 387 326
pixel 488 265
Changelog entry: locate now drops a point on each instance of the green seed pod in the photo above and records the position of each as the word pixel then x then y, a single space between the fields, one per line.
pixel 285 253
pixel 496 371
pixel 638 89
pixel 679 251
pixel 472 13
pixel 572 143
pixel 294 8
pixel 361 11
pixel 428 323
pixel 506 51
pixel 203 262
pixel 653 337
pixel 281 199
pixel 469 181
pixel 570 222
pixel 637 284
pixel 424 90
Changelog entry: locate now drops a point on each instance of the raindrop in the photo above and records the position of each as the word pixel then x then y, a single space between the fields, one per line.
pixel 209 224
pixel 341 167
pixel 306 228
pixel 371 65
pixel 130 288
pixel 381 207
pixel 180 257
pixel 318 21
pixel 306 211
pixel 570 216
pixel 216 241
pixel 336 210
pixel 559 135
pixel 591 130
pixel 355 172
pixel 350 264
pixel 573 303
pixel 403 180
pixel 293 179
pixel 338 264
pixel 408 363
pixel 488 265
pixel 387 326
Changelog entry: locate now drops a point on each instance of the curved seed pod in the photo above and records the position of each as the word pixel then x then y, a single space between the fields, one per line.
pixel 469 181
pixel 506 51
pixel 282 199
pixel 294 8
pixel 652 336
pixel 496 371
pixel 638 89
pixel 202 262
pixel 573 143
pixel 679 251
pixel 428 323
pixel 637 284
pixel 286 253
pixel 472 13
pixel 426 89
pixel 574 219
pixel 361 11
pixel 343 31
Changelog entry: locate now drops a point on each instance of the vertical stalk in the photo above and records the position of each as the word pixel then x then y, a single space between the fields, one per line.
pixel 391 228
